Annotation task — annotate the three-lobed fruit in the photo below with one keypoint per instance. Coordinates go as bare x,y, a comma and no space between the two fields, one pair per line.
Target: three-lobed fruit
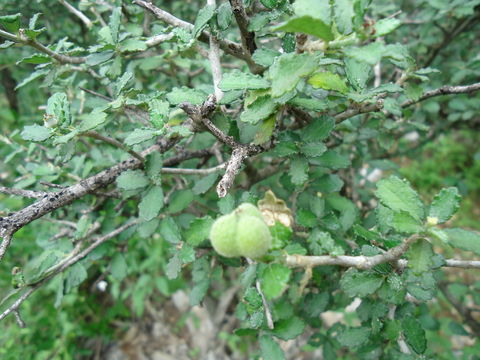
241,233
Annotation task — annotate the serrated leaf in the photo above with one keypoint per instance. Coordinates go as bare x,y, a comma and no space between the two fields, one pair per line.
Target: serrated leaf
343,14
288,69
58,110
464,239
260,109
201,186
314,8
122,82
353,337
328,81
405,223
35,133
357,72
174,266
114,23
313,149
203,17
140,135
184,94
319,129
288,329
11,22
397,195
386,26
131,45
414,335
420,256
151,204
75,276
169,230
333,160
198,231
118,267
92,120
239,80
265,57
274,280
370,54
180,200
307,25
99,58
298,170
445,204
132,179
270,349
224,15
361,284
265,130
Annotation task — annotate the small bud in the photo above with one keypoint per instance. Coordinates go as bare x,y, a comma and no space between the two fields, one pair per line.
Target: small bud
432,220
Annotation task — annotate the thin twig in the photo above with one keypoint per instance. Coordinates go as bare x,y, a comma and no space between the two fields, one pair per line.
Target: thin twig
25,193
444,90
214,57
113,142
77,13
64,59
182,171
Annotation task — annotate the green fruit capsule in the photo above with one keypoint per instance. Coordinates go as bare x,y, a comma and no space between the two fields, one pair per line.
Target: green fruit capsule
253,237
223,235
249,209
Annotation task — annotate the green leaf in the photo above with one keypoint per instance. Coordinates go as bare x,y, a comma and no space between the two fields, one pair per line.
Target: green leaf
386,26
33,76
260,109
169,230
274,280
288,329
199,291
180,200
11,22
353,337
35,133
158,111
131,45
132,179
314,8
151,204
332,160
35,59
307,25
203,17
405,223
76,274
201,186
445,204
399,196
319,129
99,58
357,72
270,349
288,69
271,4
343,14
199,230
420,256
122,82
140,135
58,110
114,23
92,120
298,170
265,57
370,54
118,267
239,80
184,94
328,81
224,15
414,335
174,267
313,149
265,130
464,239
360,284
